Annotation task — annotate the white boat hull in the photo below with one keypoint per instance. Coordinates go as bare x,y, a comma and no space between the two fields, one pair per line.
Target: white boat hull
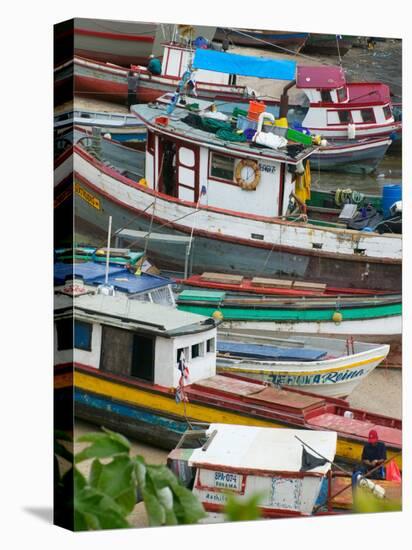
336,377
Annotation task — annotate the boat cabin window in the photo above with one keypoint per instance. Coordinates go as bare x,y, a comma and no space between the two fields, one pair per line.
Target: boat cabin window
179,352
326,96
81,331
151,142
387,111
367,115
222,167
210,345
127,353
342,94
198,350
344,117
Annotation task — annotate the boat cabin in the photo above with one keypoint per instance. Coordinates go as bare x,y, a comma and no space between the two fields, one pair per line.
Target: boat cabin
186,161
335,103
245,460
132,339
178,58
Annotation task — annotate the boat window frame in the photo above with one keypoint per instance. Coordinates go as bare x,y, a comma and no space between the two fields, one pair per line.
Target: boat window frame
369,110
387,109
211,343
338,92
340,123
216,178
68,342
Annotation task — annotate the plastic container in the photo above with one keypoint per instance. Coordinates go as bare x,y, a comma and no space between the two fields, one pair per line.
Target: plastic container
299,137
243,123
162,120
390,195
255,109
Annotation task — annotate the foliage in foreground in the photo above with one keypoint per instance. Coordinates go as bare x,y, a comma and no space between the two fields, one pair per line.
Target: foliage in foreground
105,498
365,502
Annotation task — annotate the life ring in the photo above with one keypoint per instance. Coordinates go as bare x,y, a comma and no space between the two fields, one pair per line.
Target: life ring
251,185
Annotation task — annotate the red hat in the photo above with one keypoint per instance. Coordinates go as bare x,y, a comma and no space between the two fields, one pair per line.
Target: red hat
373,436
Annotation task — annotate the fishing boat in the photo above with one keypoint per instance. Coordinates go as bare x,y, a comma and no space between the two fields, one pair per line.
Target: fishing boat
328,44
340,110
265,286
325,366
121,127
377,319
281,40
149,371
243,460
208,194
360,156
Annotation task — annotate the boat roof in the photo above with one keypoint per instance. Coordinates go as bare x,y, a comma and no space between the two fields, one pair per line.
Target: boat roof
364,92
120,277
325,77
269,449
177,128
158,319
244,65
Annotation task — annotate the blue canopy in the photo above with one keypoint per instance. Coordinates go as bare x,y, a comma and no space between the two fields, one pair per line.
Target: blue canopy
94,273
244,65
259,351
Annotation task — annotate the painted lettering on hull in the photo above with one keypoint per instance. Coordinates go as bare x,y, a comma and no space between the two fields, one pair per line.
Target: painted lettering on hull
88,197
314,379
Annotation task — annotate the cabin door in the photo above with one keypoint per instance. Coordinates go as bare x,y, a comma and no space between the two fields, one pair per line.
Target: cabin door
143,357
179,170
187,166
116,350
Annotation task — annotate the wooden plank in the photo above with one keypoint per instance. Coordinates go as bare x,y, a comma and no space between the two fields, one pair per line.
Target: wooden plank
303,285
222,278
393,491
265,281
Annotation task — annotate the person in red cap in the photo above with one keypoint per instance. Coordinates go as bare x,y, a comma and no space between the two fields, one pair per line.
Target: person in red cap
373,455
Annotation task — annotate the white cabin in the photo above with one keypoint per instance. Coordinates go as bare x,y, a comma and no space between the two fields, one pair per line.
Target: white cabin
133,339
244,460
178,58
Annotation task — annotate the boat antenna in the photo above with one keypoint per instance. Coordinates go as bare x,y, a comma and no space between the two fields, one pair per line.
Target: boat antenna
106,275
337,47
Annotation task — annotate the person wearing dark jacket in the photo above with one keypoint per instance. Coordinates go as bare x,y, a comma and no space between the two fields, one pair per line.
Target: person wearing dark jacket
132,82
373,455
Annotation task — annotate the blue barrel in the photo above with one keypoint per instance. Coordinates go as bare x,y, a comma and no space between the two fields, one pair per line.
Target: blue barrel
390,194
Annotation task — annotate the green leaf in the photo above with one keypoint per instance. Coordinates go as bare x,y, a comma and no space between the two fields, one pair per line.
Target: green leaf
116,479
243,510
140,470
103,445
97,511
79,481
95,472
188,508
154,509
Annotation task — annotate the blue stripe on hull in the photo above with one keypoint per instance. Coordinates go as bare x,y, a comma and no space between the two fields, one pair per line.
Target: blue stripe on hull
128,413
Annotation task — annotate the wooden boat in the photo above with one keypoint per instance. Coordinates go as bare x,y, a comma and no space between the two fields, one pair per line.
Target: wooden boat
235,230
352,156
340,110
325,366
340,486
292,41
345,316
328,44
120,126
126,361
265,286
243,460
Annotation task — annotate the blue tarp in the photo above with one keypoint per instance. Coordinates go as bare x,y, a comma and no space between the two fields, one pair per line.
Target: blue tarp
244,65
121,278
259,351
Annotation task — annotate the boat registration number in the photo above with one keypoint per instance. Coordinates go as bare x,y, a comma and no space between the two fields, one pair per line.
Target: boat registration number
267,168
86,196
228,481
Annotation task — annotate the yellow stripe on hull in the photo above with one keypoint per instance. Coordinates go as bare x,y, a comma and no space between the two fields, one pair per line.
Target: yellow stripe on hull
346,449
